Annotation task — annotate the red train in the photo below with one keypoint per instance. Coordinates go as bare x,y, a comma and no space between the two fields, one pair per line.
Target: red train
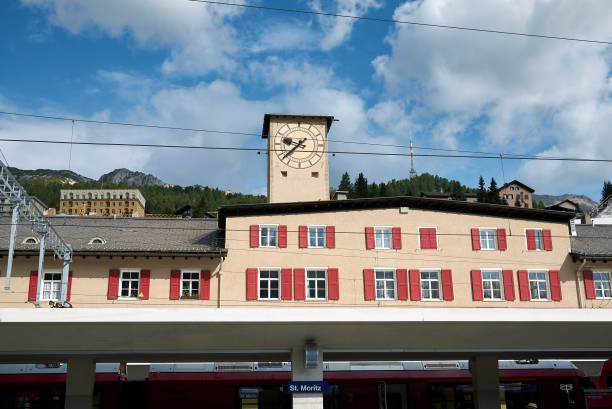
261,385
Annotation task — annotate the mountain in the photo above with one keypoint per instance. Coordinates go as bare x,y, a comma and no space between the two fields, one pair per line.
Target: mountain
131,178
48,175
586,203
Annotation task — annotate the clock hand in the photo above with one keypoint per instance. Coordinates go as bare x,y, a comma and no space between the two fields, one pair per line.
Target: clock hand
289,141
300,143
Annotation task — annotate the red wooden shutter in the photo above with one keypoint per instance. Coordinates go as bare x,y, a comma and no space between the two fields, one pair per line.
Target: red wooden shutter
415,285
589,285
330,237
477,285
282,236
113,285
547,239
523,278
502,244
369,292
396,233
69,289
299,277
555,285
251,286
254,235
33,286
333,292
369,236
175,284
475,238
286,284
205,285
303,236
508,285
402,284
447,285
145,280
428,238
531,243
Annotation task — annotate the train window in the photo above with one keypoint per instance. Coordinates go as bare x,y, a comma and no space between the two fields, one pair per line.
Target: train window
263,397
609,380
511,394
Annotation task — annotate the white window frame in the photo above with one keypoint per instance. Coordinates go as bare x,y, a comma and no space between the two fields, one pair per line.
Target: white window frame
437,239
488,229
190,296
547,285
385,269
280,288
261,237
502,295
539,243
600,271
383,229
431,270
325,280
318,226
42,286
128,270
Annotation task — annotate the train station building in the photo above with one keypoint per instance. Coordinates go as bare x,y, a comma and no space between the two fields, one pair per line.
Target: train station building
332,301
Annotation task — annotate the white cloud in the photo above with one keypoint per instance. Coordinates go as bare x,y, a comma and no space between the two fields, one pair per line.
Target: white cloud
337,30
197,35
520,92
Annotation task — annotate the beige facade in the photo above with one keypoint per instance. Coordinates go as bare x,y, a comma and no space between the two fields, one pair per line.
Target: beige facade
102,202
516,194
228,276
298,168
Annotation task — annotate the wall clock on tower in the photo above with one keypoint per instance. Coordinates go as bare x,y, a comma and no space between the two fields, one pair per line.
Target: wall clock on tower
300,146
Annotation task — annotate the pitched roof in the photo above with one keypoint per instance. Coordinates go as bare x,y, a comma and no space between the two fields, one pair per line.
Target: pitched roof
516,182
452,206
592,241
125,235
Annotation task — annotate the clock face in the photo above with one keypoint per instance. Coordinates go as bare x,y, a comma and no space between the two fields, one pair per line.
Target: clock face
299,146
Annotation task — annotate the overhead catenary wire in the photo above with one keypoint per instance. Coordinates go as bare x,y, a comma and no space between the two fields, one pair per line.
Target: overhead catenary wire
238,133
408,22
333,152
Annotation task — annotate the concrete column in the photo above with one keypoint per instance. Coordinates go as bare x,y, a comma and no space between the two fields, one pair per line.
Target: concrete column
80,383
300,373
485,381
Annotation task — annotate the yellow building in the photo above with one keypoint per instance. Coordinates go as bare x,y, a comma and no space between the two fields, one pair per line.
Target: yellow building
102,202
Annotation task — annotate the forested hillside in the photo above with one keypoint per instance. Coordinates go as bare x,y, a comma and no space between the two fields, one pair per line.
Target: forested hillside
159,199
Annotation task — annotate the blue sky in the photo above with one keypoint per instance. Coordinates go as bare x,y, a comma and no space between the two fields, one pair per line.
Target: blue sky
180,63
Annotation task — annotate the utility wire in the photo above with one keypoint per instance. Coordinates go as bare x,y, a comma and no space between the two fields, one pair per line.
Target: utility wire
259,150
174,128
394,21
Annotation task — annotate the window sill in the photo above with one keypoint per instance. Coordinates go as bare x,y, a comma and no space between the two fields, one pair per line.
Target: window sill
488,249
128,298
603,298
548,300
269,247
431,299
270,299
492,300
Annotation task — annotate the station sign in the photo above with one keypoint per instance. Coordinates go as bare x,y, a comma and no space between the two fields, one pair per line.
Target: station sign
308,387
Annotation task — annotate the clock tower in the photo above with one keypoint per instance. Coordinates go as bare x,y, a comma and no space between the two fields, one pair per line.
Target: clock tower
298,167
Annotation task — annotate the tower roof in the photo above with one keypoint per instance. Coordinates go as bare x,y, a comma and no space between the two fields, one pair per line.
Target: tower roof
266,124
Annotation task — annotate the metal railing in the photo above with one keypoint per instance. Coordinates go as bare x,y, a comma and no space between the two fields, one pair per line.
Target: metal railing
30,210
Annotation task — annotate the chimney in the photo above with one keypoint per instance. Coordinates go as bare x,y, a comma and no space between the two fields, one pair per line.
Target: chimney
341,195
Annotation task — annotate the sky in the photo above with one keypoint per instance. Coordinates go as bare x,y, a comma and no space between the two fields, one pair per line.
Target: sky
186,64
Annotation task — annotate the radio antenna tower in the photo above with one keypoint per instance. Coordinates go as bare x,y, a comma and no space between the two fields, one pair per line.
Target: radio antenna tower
413,173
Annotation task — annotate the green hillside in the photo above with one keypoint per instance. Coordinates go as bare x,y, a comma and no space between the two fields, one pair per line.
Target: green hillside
159,199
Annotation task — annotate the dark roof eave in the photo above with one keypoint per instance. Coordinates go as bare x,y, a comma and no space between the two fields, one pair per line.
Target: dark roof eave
582,255
397,201
163,253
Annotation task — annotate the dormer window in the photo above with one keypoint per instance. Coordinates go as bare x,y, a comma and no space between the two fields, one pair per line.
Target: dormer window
31,240
97,240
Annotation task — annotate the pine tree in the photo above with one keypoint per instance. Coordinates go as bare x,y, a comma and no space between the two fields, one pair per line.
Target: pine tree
606,191
382,189
481,194
345,183
493,193
361,186
200,208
